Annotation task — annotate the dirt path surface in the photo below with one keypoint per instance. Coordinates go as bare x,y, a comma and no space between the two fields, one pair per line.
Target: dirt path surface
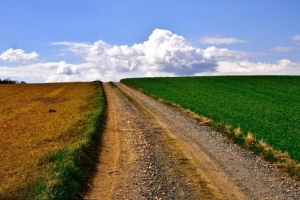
151,151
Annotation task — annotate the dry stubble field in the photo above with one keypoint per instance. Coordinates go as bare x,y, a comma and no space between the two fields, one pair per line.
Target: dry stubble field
29,134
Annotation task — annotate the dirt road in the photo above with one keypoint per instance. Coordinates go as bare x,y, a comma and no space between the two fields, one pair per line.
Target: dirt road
151,151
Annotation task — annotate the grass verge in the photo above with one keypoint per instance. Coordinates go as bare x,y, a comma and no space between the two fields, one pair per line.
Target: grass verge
247,141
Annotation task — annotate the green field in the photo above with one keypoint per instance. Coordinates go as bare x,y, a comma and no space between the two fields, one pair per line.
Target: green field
267,106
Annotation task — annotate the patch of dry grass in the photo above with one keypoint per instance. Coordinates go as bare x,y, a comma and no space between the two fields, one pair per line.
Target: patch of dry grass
238,133
29,134
250,140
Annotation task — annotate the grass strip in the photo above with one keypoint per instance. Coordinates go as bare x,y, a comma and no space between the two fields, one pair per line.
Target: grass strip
260,113
69,168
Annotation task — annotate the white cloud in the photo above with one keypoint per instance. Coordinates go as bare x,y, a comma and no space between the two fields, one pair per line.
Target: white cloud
216,40
163,54
225,54
18,55
296,38
36,72
67,69
281,67
74,47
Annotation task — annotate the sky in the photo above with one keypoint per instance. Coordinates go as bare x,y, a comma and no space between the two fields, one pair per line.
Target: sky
87,40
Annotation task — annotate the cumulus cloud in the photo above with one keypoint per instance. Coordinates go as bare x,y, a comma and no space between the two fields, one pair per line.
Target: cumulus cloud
18,55
217,40
163,54
67,69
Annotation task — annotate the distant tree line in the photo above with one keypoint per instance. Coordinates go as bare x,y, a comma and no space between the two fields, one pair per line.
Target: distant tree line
9,81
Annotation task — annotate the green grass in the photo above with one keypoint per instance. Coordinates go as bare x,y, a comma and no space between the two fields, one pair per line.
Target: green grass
267,106
66,176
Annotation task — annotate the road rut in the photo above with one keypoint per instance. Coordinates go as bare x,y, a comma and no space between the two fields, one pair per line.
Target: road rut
152,151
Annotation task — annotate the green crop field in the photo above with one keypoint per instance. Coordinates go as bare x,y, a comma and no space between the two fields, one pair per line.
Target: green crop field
267,106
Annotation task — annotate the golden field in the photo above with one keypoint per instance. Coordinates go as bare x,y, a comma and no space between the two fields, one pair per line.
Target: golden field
29,133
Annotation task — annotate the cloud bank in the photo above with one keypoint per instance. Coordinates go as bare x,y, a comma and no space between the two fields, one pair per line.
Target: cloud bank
18,55
163,54
281,67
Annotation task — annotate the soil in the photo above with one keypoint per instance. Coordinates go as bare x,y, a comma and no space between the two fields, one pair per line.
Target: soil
153,151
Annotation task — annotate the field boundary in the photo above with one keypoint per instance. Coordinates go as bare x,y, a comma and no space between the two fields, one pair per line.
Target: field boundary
279,159
71,167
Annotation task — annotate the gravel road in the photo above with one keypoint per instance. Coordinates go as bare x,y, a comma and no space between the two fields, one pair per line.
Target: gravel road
152,151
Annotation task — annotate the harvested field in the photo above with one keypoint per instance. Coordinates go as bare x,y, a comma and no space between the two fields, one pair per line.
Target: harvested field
30,134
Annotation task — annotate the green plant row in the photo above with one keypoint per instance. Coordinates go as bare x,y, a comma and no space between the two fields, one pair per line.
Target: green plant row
267,106
69,169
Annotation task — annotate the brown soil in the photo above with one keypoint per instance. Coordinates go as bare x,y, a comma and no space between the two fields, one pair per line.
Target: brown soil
151,151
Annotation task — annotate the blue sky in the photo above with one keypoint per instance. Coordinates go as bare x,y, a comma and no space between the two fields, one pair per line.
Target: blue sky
76,40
